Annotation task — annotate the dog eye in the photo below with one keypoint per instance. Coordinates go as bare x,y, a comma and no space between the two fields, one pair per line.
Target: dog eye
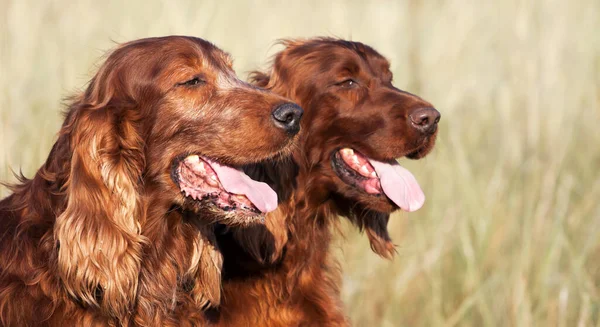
347,84
193,82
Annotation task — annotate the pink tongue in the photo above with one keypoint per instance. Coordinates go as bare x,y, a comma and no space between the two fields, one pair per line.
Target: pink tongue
235,181
399,185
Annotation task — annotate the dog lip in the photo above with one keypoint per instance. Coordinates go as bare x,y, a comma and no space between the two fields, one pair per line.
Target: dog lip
413,153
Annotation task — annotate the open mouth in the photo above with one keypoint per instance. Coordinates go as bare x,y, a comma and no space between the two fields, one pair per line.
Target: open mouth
227,188
378,178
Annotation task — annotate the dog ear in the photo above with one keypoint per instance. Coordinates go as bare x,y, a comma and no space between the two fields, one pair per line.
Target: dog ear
259,78
98,232
375,225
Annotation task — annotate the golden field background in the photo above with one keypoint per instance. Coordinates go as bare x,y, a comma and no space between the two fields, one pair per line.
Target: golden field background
510,232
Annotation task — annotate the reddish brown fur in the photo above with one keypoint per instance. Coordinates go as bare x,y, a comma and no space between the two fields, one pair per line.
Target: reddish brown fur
283,275
101,235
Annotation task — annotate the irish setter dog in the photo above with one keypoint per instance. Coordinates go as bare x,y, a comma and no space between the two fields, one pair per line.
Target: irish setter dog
355,124
115,227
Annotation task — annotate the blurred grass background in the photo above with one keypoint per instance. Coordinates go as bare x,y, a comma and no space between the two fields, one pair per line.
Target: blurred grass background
510,233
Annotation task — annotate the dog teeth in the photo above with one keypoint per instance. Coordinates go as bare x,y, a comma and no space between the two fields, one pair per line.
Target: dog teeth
347,152
212,180
193,159
201,167
365,170
373,174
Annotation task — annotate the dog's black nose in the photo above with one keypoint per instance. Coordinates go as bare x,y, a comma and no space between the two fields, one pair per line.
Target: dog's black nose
425,119
287,117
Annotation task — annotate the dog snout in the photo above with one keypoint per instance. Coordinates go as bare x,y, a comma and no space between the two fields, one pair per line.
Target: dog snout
287,117
425,119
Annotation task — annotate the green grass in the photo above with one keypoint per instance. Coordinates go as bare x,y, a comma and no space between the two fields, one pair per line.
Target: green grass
510,232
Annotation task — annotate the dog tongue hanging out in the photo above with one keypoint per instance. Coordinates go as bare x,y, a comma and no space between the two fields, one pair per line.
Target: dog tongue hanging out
227,187
376,177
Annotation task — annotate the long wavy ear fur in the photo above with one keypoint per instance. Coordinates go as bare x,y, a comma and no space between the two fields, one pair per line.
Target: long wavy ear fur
98,233
258,78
